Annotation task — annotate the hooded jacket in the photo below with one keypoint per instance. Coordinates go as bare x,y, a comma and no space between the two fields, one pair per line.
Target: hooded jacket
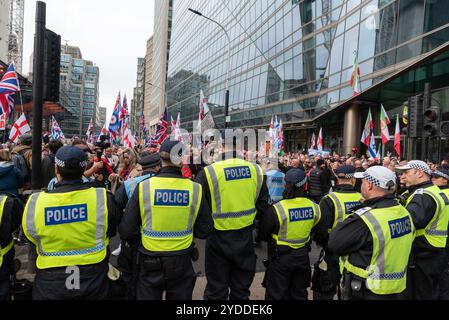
11,179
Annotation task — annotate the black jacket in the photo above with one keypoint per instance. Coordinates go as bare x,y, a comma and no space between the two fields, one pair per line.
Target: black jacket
130,226
12,217
352,237
319,182
327,209
422,209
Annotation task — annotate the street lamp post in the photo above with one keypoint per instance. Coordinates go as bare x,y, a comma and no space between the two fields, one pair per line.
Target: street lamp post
228,68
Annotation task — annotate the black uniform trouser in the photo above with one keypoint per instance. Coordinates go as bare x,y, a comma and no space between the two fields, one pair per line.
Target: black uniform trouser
444,285
60,283
326,283
174,275
230,265
127,264
6,270
288,277
423,279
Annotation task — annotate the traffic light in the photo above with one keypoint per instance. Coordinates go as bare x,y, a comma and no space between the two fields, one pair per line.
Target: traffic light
52,66
415,116
431,123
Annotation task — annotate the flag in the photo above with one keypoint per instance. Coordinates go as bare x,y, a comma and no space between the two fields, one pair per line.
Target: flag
129,140
397,138
124,115
280,135
90,131
114,125
355,76
384,122
7,105
372,148
161,130
320,140
206,118
2,122
9,82
20,127
56,131
313,142
178,128
368,130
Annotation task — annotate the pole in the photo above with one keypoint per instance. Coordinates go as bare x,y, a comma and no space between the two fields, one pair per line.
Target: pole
38,90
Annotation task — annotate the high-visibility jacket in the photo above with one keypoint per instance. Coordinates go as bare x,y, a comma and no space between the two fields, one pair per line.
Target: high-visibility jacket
168,208
235,186
436,230
68,228
343,203
296,219
393,233
4,251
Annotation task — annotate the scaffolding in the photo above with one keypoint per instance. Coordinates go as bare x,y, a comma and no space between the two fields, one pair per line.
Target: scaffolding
15,43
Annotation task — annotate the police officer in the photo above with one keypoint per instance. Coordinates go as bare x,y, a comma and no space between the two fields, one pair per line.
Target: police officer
164,215
10,216
151,165
375,241
287,226
71,226
427,205
440,178
237,193
335,208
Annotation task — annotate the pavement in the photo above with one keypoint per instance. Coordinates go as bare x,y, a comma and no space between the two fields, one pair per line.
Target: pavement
257,291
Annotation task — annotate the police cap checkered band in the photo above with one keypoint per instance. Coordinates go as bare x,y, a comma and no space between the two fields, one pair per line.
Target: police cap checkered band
416,164
62,164
379,176
345,176
301,183
441,173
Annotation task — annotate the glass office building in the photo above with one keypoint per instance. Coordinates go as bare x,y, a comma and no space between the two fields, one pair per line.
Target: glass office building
295,58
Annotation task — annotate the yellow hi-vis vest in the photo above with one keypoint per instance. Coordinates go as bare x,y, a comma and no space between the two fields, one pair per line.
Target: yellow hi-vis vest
235,186
296,218
168,208
436,230
4,251
67,228
393,233
343,203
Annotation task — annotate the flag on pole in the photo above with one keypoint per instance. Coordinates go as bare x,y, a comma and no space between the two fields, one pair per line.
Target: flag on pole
129,140
384,122
124,115
320,140
178,128
162,129
313,142
2,122
206,118
397,138
114,125
368,130
90,131
7,105
9,82
280,135
372,148
20,127
56,131
355,76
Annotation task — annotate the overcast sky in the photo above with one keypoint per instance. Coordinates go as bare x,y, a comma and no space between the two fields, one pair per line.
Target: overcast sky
111,33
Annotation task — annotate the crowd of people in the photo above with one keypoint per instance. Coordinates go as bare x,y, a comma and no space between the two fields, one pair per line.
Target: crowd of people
381,224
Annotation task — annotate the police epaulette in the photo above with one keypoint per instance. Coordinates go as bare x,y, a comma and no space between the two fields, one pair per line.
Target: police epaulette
362,211
419,191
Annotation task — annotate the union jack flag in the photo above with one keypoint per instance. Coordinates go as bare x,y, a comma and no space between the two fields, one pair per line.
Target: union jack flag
162,129
6,105
9,83
56,131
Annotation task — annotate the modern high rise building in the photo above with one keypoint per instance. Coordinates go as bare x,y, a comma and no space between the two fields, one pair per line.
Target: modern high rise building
161,49
79,92
137,103
295,59
149,110
101,118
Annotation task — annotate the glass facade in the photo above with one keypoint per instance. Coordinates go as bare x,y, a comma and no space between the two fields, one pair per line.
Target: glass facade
292,58
79,92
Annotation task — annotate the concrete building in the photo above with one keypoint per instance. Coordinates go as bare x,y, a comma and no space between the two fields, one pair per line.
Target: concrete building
137,103
4,29
15,32
100,118
295,59
161,49
148,108
79,92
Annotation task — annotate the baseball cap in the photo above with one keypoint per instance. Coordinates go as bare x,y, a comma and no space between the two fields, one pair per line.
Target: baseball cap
345,172
378,175
441,172
415,164
71,158
297,177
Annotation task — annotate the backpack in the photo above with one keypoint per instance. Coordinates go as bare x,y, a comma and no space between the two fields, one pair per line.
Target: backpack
21,165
